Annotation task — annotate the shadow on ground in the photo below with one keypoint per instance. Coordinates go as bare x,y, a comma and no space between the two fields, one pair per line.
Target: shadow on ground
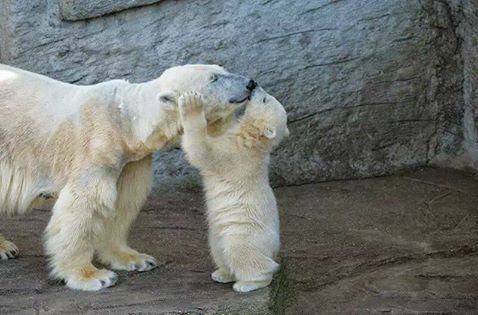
398,244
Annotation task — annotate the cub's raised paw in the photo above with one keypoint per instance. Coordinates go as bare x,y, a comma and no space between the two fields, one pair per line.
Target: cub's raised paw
90,278
222,276
247,286
8,250
129,260
190,103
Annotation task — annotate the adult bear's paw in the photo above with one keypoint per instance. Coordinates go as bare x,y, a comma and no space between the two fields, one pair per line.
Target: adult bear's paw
89,278
128,259
8,250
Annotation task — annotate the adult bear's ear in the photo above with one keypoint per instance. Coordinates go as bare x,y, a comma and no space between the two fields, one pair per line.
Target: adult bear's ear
168,99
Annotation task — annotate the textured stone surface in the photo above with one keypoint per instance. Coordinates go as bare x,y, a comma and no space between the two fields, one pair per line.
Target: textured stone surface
400,245
396,245
371,86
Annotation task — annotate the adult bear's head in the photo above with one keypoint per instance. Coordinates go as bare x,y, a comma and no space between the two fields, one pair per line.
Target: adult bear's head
220,87
224,92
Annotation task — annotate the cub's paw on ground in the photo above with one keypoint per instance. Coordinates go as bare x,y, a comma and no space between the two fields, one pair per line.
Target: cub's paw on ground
222,276
247,286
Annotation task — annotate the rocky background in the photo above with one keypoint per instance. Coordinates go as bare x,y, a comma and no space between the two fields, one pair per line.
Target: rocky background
371,86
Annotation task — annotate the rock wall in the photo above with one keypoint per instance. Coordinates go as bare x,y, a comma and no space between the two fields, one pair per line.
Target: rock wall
371,86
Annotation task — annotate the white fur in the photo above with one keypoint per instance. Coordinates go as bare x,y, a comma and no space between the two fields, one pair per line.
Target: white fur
241,207
90,147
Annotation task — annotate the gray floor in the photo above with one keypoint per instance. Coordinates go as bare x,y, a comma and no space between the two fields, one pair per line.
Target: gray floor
399,244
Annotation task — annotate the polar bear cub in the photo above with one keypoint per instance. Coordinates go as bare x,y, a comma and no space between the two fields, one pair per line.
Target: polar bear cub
241,207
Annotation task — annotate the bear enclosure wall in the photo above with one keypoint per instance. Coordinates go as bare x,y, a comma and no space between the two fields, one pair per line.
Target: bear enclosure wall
371,86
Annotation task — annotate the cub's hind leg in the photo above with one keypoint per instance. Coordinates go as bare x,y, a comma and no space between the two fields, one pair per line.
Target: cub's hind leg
250,262
8,250
222,274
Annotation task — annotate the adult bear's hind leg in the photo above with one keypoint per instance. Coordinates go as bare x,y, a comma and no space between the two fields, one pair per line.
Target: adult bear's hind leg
8,250
134,185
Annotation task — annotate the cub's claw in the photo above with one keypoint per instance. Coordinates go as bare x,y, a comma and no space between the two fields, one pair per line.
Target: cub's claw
190,103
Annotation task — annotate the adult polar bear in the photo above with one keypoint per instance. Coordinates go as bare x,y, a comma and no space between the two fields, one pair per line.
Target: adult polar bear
91,146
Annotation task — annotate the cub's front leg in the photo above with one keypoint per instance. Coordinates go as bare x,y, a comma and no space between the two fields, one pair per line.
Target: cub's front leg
195,140
191,110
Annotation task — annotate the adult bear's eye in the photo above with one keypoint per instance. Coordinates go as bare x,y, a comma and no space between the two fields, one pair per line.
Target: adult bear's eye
213,78
264,100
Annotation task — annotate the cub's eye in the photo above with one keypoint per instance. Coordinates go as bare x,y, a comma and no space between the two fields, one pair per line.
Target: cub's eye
264,100
213,78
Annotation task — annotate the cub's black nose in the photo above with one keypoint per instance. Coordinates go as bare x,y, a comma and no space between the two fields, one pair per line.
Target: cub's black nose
251,85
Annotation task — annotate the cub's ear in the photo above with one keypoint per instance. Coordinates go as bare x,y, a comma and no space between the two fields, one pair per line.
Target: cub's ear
270,133
168,99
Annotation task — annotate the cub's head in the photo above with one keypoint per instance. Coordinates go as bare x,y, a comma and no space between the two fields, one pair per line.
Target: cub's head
264,121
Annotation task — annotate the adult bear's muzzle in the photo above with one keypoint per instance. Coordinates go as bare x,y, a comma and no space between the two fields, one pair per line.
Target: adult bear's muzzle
251,85
246,94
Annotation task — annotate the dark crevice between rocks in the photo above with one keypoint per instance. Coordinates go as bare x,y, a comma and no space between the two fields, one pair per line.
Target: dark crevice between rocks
282,293
80,10
400,172
295,120
320,7
295,33
446,79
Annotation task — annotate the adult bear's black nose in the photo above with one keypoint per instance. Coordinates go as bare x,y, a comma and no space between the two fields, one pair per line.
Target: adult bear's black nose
251,85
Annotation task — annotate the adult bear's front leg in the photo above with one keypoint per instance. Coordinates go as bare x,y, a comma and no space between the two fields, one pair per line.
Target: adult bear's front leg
77,223
134,186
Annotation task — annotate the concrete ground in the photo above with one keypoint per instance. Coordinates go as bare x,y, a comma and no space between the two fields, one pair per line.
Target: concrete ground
400,244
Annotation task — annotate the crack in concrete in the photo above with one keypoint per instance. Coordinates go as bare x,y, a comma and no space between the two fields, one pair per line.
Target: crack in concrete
439,185
371,266
436,198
